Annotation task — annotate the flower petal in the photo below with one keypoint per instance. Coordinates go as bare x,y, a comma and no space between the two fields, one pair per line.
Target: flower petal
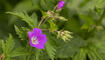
30,34
60,4
41,38
40,46
37,31
44,38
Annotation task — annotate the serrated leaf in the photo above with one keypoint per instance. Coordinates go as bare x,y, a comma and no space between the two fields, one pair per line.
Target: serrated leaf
9,44
81,55
19,52
97,54
24,16
8,47
3,46
21,32
69,49
9,50
50,50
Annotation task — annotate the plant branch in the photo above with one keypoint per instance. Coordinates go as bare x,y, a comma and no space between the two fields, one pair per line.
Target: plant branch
40,22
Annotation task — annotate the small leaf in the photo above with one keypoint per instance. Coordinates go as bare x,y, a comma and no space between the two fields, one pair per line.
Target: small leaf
9,44
3,46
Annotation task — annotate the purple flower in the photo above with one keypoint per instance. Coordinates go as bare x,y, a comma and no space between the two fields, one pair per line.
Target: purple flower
60,4
37,39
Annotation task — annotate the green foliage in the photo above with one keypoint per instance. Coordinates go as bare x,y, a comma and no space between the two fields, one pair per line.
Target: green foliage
9,49
24,16
89,22
50,50
53,26
21,32
86,19
86,5
48,4
81,55
68,49
26,5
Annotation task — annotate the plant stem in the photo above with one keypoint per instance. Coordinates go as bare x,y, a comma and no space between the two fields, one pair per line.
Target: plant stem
37,54
37,57
46,19
43,20
40,22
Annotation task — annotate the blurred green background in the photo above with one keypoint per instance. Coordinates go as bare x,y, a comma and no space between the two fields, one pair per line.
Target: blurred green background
86,19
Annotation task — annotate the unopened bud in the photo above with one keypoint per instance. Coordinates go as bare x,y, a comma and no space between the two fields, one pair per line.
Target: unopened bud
65,35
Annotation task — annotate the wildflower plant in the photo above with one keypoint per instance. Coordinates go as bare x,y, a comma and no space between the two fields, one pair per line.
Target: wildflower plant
36,35
52,30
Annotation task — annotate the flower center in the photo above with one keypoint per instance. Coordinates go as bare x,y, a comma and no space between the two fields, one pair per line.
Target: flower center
34,40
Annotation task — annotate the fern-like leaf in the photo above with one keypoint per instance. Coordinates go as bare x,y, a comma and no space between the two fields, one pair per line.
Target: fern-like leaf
24,16
10,44
9,50
81,55
21,32
50,50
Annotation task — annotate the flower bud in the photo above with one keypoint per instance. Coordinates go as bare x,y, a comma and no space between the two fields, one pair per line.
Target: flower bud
60,5
55,16
65,35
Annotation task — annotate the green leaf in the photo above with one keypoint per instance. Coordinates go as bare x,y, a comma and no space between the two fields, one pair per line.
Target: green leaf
22,33
10,44
19,52
53,26
26,5
87,19
43,4
94,54
24,16
81,55
3,47
9,49
73,25
50,50
70,48
34,17
48,4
